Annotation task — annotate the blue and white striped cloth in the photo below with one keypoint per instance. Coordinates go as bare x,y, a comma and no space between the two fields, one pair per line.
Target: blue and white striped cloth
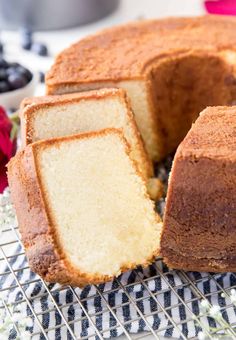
148,299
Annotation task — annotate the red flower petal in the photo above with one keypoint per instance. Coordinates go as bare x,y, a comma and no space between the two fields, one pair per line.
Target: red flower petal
6,144
3,175
5,122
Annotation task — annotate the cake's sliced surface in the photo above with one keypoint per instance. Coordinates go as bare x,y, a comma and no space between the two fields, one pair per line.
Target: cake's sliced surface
199,230
57,116
83,210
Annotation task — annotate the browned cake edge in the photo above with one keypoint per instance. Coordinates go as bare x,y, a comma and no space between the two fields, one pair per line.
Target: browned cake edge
70,97
38,232
30,105
176,261
184,254
122,67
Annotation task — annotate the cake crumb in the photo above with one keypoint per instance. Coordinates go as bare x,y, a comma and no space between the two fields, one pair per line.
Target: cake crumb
155,188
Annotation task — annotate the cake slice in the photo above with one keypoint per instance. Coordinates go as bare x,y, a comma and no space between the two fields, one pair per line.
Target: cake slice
200,218
83,210
57,116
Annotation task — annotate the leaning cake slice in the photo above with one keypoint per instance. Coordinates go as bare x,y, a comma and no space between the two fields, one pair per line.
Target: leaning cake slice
200,218
58,116
83,210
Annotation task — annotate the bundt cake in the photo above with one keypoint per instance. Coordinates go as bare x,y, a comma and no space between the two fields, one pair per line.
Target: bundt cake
58,116
81,201
83,211
171,69
200,215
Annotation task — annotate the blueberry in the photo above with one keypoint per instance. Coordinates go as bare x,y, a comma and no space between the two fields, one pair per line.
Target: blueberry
3,63
1,48
25,31
3,74
4,86
11,110
39,49
14,65
11,70
16,80
26,38
25,72
26,45
41,77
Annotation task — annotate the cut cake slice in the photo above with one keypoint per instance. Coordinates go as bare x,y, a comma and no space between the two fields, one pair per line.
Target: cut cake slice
200,215
83,210
56,116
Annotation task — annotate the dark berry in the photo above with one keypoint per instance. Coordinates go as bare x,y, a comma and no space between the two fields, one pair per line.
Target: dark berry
14,65
16,80
39,49
1,48
26,43
3,63
3,74
24,71
26,38
41,77
13,76
27,32
4,86
11,110
10,70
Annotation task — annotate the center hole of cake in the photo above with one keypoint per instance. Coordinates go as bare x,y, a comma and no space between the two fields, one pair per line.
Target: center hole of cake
183,87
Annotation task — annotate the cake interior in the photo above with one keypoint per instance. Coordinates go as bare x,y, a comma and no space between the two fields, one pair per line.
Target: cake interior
183,87
87,115
175,91
103,219
72,118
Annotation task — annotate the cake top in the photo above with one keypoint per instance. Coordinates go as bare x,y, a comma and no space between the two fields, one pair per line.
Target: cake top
128,51
212,135
44,101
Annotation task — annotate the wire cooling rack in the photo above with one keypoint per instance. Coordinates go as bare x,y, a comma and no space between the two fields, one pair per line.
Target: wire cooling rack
155,301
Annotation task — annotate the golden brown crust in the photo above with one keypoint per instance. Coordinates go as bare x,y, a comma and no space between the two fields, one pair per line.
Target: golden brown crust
31,105
177,261
200,217
139,55
128,52
213,135
70,98
44,252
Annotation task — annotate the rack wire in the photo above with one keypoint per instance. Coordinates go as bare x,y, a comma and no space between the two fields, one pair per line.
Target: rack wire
154,302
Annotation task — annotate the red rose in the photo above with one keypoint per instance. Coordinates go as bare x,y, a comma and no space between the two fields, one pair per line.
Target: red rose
7,146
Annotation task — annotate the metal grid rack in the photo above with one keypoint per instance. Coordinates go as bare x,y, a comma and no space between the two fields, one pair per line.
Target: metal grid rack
173,296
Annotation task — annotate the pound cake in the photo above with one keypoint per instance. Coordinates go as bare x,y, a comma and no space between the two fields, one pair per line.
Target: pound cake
200,215
83,210
171,70
58,116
